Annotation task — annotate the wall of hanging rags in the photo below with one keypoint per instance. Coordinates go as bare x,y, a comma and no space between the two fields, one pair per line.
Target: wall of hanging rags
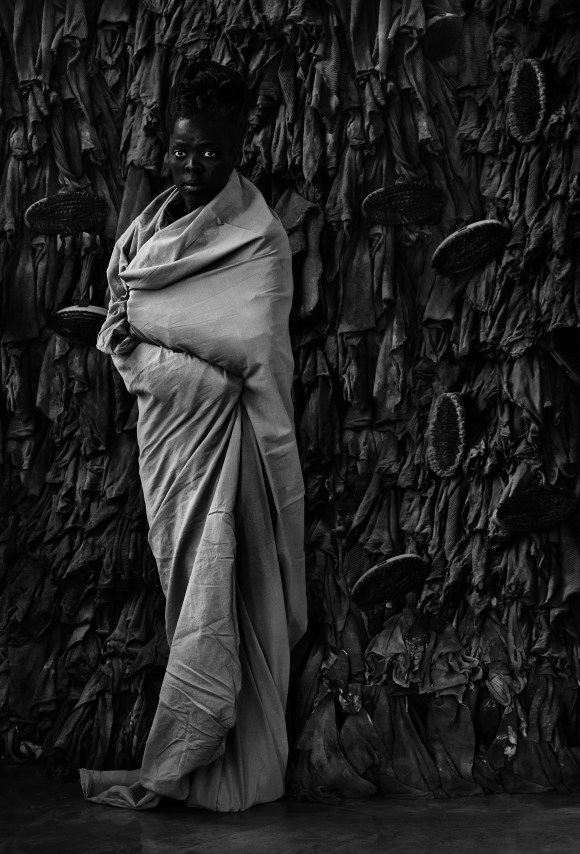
424,159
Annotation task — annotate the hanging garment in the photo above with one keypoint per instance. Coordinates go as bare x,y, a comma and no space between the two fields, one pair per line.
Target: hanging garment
209,297
303,222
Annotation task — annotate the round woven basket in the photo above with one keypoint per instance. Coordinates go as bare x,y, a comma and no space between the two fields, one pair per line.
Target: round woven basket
67,213
446,435
526,102
535,508
389,581
442,35
401,204
565,350
78,324
472,245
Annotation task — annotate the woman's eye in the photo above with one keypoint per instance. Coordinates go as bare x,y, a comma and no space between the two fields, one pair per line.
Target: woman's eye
178,152
210,153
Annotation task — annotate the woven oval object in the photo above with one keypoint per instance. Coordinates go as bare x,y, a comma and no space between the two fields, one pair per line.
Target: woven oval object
526,100
446,435
472,245
442,35
535,508
565,351
400,204
67,213
78,324
389,581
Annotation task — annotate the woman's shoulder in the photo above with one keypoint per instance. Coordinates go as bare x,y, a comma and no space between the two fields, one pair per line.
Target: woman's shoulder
146,220
242,205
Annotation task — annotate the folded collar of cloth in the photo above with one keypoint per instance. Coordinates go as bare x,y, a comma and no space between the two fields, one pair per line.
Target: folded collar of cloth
148,262
155,252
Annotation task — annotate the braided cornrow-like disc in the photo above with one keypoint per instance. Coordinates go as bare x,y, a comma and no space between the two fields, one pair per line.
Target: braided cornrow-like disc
404,203
78,324
446,435
67,213
472,245
527,100
389,581
535,508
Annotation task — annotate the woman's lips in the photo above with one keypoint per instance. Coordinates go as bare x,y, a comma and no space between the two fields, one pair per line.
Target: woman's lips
189,185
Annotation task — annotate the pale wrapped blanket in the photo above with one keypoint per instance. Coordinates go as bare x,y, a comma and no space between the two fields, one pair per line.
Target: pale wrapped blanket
209,297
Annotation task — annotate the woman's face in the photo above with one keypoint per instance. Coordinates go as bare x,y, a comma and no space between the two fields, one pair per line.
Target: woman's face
202,154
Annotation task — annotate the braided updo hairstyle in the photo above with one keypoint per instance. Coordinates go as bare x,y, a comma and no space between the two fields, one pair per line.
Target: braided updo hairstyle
206,88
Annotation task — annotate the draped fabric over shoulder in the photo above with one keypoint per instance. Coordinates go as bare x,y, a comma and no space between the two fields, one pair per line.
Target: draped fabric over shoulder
198,328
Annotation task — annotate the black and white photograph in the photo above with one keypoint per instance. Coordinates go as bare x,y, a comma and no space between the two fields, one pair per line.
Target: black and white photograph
289,426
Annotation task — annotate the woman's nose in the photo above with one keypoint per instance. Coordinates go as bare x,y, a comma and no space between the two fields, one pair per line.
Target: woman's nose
192,165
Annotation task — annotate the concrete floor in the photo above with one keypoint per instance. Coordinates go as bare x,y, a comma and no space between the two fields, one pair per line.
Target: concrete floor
41,816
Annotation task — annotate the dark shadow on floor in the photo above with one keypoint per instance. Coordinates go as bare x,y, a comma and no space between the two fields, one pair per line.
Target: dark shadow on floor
41,816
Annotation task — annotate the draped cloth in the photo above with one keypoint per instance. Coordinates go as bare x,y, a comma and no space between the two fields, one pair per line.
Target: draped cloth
198,328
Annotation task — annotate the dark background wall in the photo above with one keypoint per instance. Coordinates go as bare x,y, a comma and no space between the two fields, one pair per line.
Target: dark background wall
473,685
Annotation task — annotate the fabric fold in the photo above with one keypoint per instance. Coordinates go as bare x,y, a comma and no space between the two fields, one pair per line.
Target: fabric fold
198,329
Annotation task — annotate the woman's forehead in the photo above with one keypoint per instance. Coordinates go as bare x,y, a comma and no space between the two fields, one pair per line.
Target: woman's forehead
198,127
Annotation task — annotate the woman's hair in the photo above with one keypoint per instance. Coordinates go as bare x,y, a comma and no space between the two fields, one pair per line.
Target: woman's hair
208,89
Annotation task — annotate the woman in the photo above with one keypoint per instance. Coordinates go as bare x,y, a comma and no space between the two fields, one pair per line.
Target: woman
198,328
